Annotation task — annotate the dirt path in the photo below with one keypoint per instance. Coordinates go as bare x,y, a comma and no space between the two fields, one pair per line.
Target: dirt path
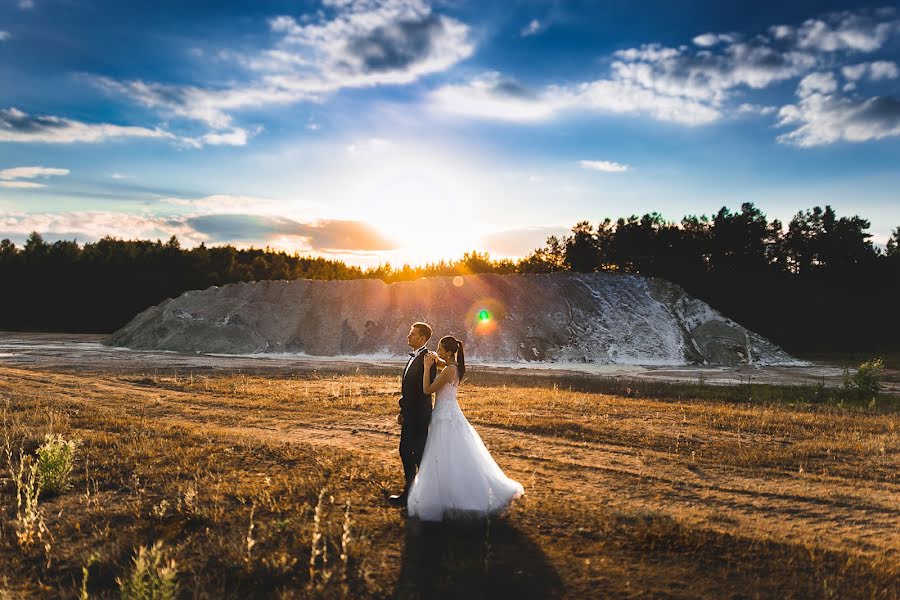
79,351
821,512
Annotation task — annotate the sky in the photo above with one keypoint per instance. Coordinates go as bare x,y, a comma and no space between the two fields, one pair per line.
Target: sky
408,131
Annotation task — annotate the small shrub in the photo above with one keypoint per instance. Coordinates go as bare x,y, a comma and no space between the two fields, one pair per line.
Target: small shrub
866,382
30,527
54,463
152,578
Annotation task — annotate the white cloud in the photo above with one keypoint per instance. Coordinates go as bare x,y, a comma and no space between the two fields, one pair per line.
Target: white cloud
709,76
4,35
689,85
862,31
874,71
120,176
226,204
532,28
93,225
607,166
234,137
625,96
206,106
822,116
17,126
883,69
399,37
855,72
21,184
756,109
817,83
26,4
31,172
12,178
711,39
490,96
355,44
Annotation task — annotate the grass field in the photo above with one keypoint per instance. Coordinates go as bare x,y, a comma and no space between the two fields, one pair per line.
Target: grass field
272,486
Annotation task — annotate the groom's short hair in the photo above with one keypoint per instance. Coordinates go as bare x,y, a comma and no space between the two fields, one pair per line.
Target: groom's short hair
424,329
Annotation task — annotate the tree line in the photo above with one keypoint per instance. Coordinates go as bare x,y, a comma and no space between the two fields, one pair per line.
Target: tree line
817,285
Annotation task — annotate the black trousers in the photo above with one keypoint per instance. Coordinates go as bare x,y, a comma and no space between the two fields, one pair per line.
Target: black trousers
412,445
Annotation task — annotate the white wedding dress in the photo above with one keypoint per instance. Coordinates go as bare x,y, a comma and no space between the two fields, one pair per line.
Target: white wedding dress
457,476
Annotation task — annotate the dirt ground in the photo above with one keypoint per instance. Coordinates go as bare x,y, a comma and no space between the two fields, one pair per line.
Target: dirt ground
625,497
76,351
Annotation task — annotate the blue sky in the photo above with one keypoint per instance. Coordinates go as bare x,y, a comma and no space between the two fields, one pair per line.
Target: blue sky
408,131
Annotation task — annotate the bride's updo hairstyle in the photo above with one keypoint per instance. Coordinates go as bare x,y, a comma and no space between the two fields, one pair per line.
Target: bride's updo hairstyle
451,344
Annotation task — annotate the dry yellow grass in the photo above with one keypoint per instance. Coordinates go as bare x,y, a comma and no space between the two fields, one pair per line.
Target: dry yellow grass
625,497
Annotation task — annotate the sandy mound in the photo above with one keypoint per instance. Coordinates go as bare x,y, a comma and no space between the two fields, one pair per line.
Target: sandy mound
562,317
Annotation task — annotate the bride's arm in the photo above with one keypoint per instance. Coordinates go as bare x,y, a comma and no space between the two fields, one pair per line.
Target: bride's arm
440,362
428,386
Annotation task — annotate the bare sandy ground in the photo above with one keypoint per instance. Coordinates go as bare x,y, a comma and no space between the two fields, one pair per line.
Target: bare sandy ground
818,482
830,507
86,351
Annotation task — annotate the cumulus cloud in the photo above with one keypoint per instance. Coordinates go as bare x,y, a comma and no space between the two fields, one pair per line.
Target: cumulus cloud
12,178
4,35
710,76
606,166
17,126
874,71
532,28
678,85
823,116
861,31
817,83
354,44
368,42
700,84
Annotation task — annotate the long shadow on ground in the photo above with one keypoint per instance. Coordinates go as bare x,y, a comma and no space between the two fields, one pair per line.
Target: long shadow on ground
471,560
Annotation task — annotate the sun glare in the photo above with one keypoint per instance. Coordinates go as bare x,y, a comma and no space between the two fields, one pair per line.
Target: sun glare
426,205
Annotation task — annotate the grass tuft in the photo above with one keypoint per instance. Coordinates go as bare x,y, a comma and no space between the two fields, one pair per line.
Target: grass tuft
152,577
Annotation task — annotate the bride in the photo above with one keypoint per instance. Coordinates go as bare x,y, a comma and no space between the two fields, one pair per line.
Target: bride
457,475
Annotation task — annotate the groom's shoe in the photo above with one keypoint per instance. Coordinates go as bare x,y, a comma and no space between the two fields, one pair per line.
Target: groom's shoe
398,500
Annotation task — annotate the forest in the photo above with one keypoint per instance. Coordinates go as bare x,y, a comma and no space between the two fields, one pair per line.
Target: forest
817,285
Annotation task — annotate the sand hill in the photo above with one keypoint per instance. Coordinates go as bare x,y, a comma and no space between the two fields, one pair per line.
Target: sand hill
561,317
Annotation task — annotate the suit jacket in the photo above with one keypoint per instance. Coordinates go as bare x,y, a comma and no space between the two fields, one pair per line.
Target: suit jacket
415,404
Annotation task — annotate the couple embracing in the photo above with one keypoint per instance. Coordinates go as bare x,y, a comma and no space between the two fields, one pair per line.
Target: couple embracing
449,472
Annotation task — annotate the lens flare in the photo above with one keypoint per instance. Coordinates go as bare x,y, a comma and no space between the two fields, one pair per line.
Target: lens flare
486,316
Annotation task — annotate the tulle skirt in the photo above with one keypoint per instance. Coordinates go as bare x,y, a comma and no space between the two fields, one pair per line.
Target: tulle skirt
457,477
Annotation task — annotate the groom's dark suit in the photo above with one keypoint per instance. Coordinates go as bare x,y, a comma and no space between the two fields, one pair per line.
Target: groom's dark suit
415,408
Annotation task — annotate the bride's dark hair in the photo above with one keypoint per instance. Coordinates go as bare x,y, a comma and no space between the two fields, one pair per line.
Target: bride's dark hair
451,344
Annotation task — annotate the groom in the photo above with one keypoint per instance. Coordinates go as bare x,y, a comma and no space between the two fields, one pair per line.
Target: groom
415,408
